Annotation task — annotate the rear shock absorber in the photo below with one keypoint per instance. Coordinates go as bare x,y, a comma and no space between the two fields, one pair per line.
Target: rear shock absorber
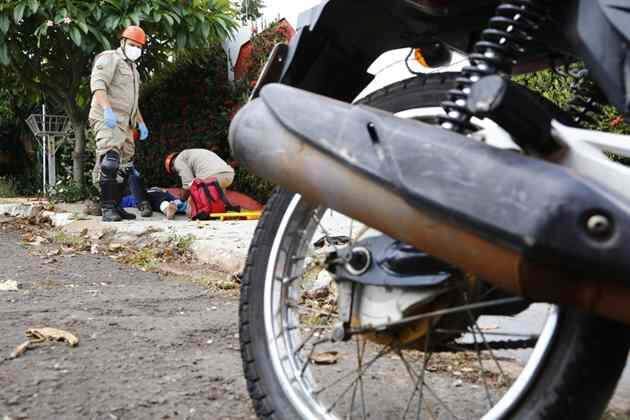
511,29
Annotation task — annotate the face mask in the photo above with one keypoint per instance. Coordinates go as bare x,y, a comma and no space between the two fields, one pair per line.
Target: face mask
132,53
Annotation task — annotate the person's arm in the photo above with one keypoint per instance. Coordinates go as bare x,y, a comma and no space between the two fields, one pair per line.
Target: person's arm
101,98
185,172
144,130
101,78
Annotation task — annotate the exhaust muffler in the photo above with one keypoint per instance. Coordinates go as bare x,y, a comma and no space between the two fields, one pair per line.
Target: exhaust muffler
527,226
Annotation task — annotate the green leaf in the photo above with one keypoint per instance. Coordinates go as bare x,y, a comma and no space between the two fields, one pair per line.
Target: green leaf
176,17
82,25
4,23
109,23
169,19
135,17
181,39
33,5
42,29
4,55
75,34
98,13
18,12
101,39
205,29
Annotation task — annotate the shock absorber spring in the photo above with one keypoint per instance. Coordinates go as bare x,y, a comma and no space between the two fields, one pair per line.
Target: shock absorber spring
509,32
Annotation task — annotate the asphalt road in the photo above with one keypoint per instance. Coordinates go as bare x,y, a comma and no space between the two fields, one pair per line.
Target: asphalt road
150,347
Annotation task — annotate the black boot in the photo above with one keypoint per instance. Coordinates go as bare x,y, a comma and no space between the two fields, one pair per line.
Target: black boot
123,213
145,209
109,198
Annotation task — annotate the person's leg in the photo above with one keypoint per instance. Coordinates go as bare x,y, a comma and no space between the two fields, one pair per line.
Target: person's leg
169,208
224,179
110,191
106,170
138,190
126,166
157,197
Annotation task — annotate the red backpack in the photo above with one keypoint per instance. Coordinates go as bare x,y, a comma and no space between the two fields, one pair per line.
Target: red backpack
207,197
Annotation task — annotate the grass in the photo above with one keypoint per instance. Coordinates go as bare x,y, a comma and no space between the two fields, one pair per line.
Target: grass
74,241
146,259
182,243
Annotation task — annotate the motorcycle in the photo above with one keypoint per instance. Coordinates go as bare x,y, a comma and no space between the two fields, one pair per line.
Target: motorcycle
453,245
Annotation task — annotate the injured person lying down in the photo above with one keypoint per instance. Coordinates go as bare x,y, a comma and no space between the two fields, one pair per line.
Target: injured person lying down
161,200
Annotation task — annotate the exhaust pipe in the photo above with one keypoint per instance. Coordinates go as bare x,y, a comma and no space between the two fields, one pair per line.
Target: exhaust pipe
526,226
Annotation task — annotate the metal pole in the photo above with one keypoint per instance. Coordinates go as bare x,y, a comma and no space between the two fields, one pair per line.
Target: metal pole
52,167
44,150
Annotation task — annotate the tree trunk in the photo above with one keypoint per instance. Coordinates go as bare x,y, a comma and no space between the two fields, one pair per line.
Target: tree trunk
78,154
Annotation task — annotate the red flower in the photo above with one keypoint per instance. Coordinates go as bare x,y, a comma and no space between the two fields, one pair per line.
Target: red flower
617,121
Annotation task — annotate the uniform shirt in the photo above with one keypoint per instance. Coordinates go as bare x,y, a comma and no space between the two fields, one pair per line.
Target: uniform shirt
120,79
199,163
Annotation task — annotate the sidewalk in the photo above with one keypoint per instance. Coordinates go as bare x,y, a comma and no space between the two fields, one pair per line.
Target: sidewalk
222,245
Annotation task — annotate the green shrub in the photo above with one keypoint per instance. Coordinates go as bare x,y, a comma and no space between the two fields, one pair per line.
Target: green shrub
557,89
252,185
8,187
185,106
67,191
190,103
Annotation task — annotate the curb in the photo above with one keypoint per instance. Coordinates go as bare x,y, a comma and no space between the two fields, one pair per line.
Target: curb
222,245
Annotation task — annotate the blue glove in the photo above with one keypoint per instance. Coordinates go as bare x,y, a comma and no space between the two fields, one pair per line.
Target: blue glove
110,118
144,131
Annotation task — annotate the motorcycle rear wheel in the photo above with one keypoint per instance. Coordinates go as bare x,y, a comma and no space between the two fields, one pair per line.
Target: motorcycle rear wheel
571,373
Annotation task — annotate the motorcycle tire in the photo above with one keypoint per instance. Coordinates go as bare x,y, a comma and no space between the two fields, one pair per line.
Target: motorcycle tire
574,380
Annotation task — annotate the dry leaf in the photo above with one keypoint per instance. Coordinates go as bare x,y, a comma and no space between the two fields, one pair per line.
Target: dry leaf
325,358
115,247
42,334
9,286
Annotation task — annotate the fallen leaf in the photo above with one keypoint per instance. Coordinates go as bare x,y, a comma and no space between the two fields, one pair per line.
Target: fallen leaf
115,247
53,334
325,358
9,286
38,241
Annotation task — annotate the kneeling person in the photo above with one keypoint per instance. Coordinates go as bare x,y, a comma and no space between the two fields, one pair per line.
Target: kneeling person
200,164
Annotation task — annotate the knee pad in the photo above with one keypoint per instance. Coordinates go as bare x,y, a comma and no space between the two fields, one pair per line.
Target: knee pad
109,165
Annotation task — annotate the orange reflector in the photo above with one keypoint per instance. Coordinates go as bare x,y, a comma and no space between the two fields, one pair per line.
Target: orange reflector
420,58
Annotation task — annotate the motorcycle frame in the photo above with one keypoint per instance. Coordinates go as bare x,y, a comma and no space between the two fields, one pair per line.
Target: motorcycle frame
313,57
